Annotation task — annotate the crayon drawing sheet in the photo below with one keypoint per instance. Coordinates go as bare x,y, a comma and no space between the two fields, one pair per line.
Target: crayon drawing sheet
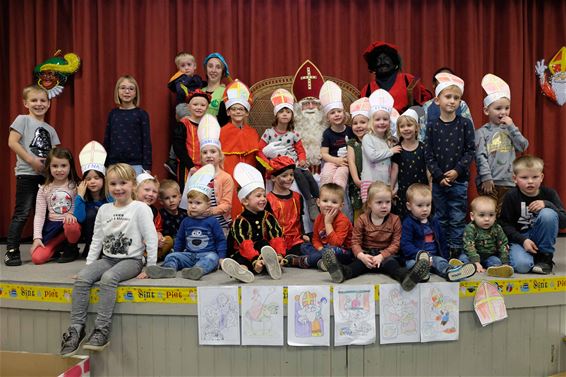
399,316
354,314
308,315
489,304
440,311
218,316
262,315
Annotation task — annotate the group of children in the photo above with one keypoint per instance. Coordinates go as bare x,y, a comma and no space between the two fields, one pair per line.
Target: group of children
395,187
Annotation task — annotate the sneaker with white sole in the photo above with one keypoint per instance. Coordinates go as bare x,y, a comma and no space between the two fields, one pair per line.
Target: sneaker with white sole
158,272
98,340
543,263
461,272
335,268
542,268
193,273
271,262
321,266
503,271
13,258
235,270
71,341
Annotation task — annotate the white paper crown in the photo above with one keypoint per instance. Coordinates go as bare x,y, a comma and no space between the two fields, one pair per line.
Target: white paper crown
282,99
92,157
495,88
445,80
249,179
411,114
380,100
143,177
360,107
331,97
208,131
200,180
237,92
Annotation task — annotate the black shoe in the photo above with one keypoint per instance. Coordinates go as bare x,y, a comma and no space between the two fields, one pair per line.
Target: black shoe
98,340
543,264
71,341
417,274
13,258
70,253
424,256
292,260
335,268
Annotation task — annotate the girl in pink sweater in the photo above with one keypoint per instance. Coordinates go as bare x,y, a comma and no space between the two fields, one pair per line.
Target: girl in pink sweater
56,198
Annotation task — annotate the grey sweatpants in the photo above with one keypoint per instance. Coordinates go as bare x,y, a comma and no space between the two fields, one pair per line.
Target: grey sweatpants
110,271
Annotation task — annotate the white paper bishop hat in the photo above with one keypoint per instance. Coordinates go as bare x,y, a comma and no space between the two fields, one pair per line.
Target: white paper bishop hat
445,80
92,157
281,99
331,97
200,180
495,88
209,131
249,179
360,107
380,100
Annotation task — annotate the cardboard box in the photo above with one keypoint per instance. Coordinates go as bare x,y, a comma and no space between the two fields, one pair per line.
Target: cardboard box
43,364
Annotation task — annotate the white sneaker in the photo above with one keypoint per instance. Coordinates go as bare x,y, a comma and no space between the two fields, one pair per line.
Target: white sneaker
461,272
271,262
235,270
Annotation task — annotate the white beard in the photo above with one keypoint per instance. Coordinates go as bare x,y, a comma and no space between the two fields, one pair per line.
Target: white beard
559,87
310,127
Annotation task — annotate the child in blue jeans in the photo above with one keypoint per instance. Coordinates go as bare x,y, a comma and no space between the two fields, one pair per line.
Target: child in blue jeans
531,216
422,238
200,241
449,151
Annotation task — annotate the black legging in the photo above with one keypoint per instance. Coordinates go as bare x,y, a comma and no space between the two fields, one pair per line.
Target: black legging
307,184
389,266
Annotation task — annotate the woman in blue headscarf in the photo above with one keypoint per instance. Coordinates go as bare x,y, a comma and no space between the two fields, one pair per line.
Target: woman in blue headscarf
216,69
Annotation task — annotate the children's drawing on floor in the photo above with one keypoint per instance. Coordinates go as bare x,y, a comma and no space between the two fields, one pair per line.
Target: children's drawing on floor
440,311
354,315
308,315
399,314
218,315
262,315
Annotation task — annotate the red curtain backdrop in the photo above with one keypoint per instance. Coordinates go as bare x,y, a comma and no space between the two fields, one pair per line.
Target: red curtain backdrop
261,39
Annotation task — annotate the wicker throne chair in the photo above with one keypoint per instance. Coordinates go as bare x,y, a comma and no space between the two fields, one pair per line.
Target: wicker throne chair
261,114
